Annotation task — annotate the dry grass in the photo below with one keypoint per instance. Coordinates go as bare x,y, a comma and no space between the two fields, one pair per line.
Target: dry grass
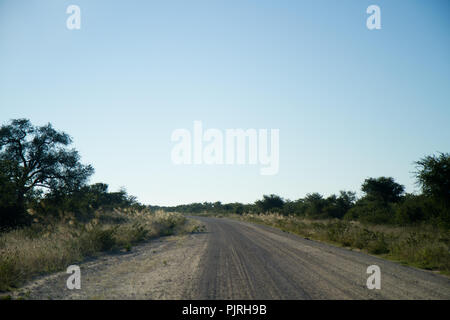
40,249
424,246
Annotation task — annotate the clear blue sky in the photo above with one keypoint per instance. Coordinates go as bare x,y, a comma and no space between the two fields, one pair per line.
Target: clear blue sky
350,103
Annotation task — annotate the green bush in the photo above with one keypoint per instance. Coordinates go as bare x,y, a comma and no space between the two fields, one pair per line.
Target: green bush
363,237
378,245
138,232
9,272
338,231
96,240
371,211
433,257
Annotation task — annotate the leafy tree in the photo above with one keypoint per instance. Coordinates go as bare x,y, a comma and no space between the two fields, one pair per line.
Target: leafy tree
299,207
270,203
337,207
372,211
433,176
415,208
315,204
8,199
217,205
38,158
377,204
289,208
237,208
345,202
383,189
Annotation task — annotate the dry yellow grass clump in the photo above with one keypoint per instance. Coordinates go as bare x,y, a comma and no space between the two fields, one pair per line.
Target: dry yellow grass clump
42,249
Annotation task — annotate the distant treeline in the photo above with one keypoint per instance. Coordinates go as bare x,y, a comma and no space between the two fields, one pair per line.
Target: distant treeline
383,202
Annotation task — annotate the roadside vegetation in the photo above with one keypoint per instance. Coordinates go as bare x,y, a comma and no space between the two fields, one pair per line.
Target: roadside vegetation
46,248
411,228
51,218
423,246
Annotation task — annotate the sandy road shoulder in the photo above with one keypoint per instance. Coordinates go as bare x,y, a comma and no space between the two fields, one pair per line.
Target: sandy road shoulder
166,268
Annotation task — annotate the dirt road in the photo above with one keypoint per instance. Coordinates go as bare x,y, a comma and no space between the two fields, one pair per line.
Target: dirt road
237,260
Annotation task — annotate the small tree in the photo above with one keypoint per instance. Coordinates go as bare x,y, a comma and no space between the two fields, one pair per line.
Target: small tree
383,188
433,175
270,203
315,204
337,207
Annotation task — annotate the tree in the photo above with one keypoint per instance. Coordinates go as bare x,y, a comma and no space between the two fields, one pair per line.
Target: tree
415,208
8,209
433,176
39,158
237,208
377,204
269,203
315,204
345,201
337,207
384,189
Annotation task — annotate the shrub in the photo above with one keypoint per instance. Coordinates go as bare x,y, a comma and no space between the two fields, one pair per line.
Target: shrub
378,245
371,211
